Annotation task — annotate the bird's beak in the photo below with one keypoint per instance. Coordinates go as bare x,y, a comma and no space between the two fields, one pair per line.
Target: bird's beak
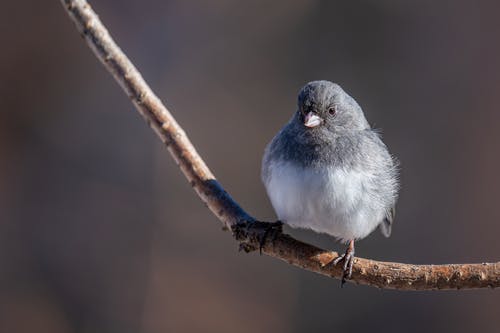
312,120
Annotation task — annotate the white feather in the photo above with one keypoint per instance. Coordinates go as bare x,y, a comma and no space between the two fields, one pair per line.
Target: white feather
332,200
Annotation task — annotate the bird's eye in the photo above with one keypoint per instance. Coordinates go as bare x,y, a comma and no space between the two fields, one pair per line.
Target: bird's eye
332,111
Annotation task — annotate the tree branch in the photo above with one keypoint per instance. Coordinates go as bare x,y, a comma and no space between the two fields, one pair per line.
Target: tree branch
368,272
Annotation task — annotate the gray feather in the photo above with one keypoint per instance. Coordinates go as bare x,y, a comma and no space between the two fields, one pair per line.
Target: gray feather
386,225
336,178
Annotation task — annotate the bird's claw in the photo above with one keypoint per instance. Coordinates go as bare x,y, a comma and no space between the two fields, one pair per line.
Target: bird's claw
348,259
257,231
271,230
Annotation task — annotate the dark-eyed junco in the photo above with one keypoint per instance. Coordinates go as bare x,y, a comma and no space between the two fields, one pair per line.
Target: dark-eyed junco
328,171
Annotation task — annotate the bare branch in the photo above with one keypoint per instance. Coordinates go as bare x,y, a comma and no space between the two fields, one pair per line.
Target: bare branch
368,272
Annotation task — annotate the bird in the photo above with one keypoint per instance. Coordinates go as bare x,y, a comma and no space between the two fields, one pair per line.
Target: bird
328,171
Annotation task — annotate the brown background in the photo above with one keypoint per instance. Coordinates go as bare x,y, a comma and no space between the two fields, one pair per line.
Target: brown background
99,232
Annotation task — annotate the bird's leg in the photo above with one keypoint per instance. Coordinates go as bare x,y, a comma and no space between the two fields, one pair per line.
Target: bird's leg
348,259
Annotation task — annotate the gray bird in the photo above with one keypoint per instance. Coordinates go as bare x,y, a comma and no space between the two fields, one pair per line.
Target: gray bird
327,170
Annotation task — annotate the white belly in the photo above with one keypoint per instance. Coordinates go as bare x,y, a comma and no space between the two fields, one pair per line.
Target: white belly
332,201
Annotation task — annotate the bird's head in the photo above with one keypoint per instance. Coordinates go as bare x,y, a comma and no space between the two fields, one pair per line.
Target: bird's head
325,105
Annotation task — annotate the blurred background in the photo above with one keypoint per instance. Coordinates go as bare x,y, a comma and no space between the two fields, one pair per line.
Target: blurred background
100,232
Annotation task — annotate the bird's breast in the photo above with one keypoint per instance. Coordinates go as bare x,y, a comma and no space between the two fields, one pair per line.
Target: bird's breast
330,200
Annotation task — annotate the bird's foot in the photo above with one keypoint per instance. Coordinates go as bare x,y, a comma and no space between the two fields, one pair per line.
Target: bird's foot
348,259
256,232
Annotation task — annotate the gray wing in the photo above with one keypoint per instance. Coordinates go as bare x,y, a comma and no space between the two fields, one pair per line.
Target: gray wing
386,225
388,182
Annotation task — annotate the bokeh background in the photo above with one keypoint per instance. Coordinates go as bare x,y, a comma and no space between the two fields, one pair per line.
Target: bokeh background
99,231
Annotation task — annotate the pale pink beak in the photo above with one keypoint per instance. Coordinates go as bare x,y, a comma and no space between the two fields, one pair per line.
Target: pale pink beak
312,120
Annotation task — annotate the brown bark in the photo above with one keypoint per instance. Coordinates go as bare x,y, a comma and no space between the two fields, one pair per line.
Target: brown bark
368,272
